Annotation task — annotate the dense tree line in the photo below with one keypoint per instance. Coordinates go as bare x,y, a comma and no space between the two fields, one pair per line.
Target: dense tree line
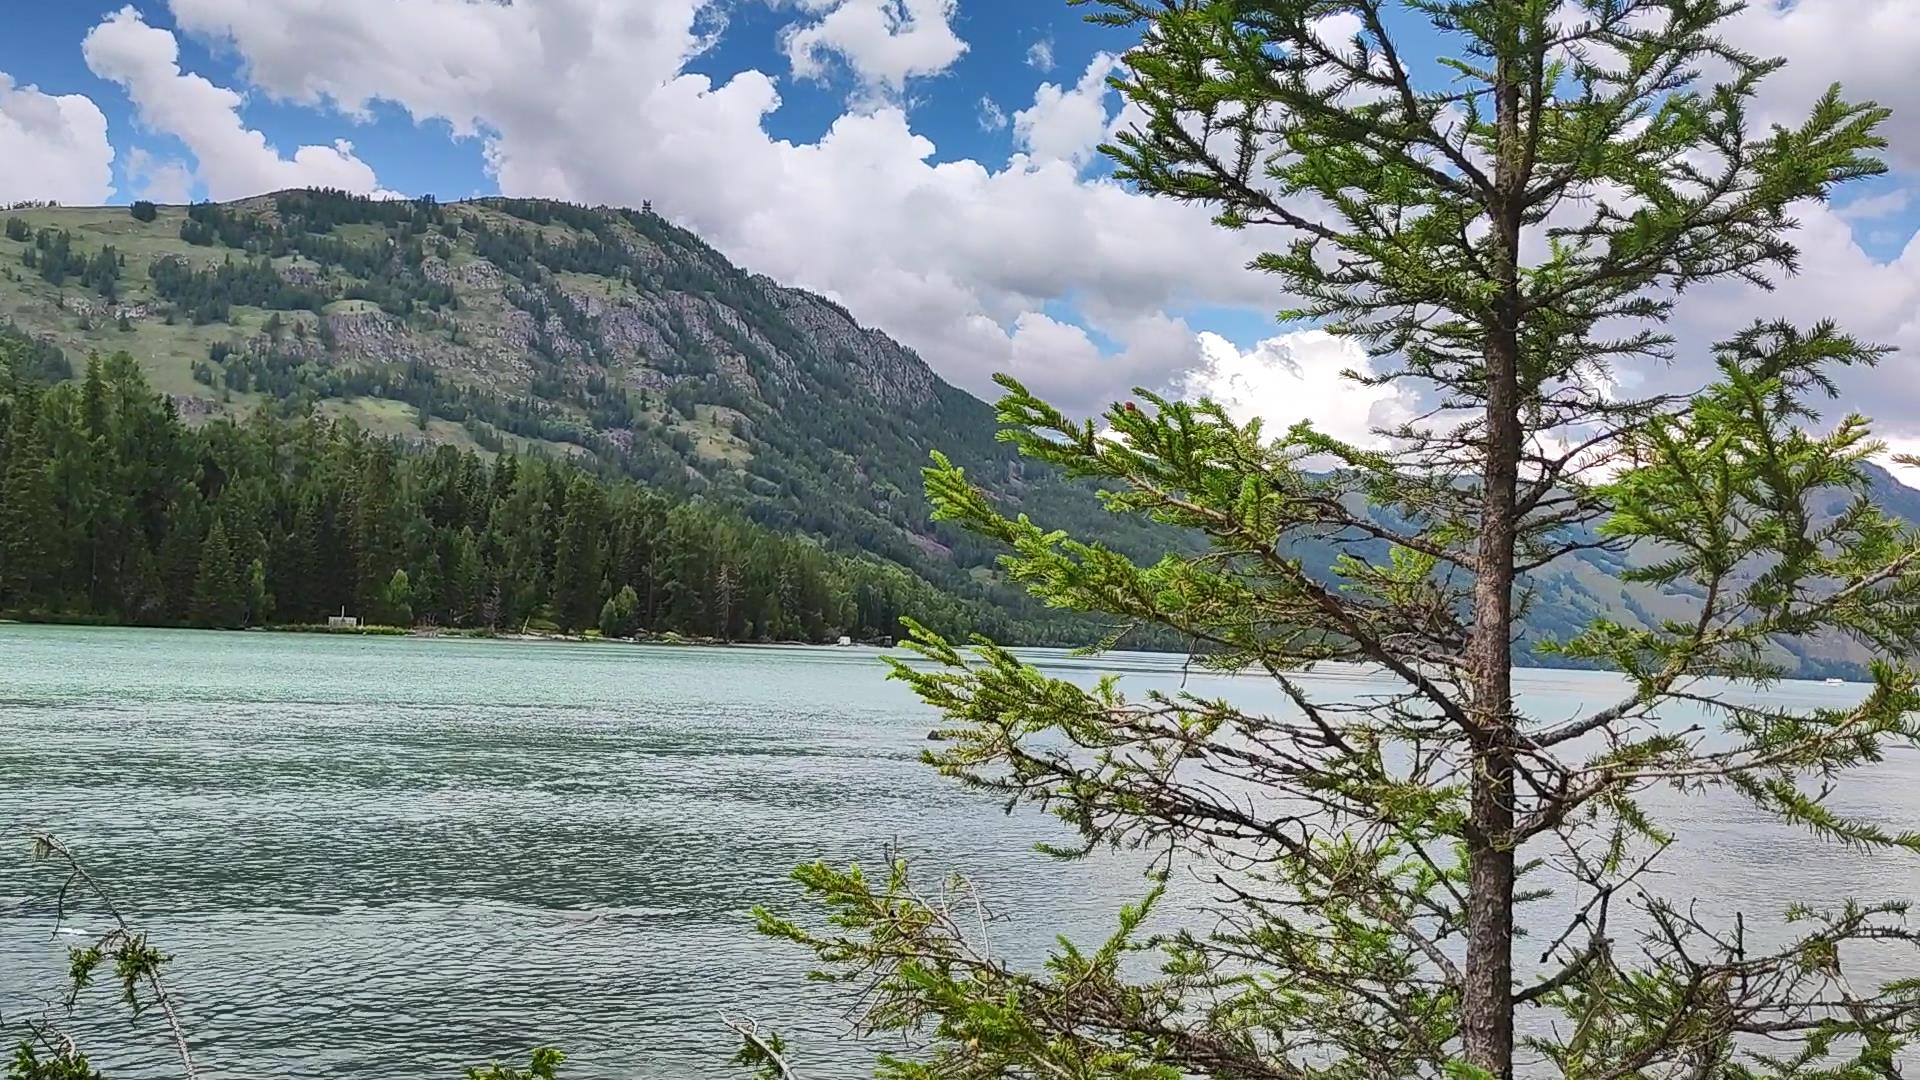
387,272
113,508
54,257
207,295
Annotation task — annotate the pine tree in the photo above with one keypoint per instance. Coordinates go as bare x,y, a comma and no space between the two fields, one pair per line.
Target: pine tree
93,399
219,589
28,513
467,581
578,559
179,567
378,524
1506,241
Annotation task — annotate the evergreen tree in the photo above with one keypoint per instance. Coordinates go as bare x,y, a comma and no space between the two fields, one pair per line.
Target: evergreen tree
28,514
93,400
578,556
378,524
220,588
179,568
1505,240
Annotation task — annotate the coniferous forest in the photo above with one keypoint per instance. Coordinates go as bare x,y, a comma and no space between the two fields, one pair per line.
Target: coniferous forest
114,509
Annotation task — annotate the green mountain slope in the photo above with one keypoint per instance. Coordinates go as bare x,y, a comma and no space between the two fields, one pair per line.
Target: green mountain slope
607,335
597,333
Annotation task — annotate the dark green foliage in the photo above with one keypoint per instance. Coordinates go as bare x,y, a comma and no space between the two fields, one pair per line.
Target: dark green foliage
295,519
30,518
18,229
143,210
58,262
30,358
219,591
320,210
209,295
579,565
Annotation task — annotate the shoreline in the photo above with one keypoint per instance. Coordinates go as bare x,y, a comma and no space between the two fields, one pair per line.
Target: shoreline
670,640
682,641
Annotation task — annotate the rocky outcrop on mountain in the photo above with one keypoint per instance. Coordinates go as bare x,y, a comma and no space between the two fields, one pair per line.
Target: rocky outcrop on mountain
891,372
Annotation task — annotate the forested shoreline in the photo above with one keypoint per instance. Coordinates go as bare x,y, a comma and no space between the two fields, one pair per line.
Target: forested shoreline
114,509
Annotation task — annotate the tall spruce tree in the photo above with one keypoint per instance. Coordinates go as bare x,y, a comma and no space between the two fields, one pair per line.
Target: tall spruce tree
29,515
1505,239
578,556
220,588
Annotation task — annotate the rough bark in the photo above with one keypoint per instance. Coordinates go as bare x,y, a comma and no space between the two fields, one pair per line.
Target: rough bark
1487,1008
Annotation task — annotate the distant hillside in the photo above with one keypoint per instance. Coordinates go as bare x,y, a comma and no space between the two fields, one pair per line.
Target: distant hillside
608,335
599,333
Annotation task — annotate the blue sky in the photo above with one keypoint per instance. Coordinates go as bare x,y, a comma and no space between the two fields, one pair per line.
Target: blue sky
42,47
914,159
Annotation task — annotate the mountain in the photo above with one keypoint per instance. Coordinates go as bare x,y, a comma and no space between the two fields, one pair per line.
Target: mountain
607,335
1579,589
596,333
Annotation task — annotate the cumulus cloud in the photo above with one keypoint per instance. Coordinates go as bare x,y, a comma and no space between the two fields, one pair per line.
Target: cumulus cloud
168,181
1875,207
234,160
884,42
1867,46
1300,376
1068,123
52,147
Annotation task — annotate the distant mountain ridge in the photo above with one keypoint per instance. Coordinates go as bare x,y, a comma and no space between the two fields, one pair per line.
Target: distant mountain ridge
601,333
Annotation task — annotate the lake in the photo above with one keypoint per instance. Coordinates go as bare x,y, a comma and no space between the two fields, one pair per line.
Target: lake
394,857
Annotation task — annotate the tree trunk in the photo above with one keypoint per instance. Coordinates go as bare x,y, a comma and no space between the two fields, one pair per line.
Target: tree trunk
1487,1006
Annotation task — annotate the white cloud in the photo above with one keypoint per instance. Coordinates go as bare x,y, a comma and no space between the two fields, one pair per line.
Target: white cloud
992,116
1040,55
884,42
1293,377
1875,301
1874,207
52,147
234,160
1867,46
168,181
1068,124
